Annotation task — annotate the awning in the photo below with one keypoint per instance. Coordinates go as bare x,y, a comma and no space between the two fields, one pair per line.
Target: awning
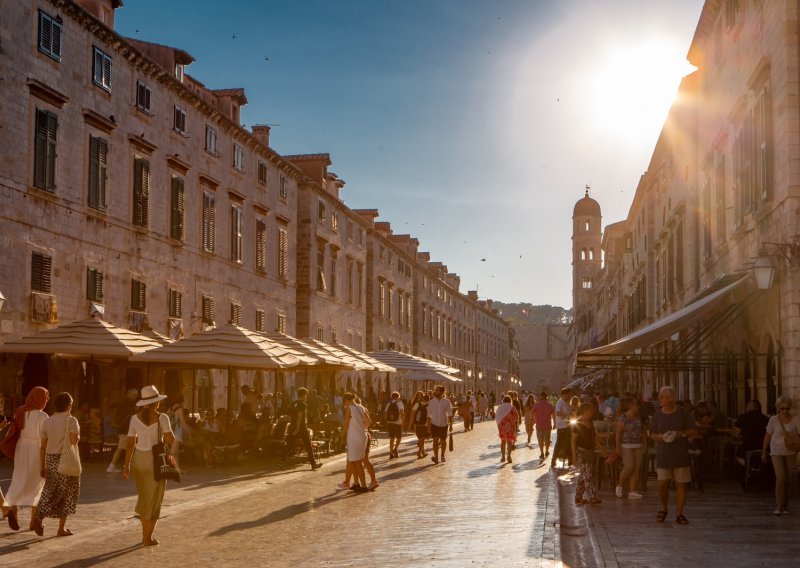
707,310
406,362
429,376
361,361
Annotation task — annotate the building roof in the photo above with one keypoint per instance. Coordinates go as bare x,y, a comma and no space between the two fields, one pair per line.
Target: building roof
586,206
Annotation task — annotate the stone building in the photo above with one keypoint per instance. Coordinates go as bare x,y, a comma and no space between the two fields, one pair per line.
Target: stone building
717,206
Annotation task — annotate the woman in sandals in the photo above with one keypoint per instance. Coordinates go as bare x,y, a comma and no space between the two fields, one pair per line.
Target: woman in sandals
143,434
61,492
507,418
783,458
583,442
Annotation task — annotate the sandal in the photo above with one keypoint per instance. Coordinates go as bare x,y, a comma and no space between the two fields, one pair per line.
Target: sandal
11,517
661,516
65,532
681,520
38,527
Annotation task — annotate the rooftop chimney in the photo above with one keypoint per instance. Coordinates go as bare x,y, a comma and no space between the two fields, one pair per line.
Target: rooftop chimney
261,132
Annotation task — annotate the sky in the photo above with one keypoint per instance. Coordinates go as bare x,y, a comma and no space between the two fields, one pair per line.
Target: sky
472,125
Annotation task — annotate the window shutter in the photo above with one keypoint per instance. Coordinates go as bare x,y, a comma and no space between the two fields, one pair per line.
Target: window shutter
45,32
98,67
141,187
208,222
260,320
98,153
138,295
175,301
94,284
236,233
283,253
261,245
41,272
176,220
208,310
40,151
106,70
55,41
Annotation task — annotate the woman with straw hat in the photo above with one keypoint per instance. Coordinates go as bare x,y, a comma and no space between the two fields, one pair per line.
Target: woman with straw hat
144,432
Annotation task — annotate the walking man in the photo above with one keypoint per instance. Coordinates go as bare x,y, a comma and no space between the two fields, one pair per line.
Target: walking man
395,415
298,430
122,420
440,412
672,428
563,437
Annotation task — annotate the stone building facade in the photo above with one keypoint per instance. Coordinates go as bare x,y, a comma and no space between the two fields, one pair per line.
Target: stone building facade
720,198
130,189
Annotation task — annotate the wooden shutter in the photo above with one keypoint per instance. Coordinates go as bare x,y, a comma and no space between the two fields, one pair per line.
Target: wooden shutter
208,222
94,284
141,192
45,32
44,153
55,42
260,320
208,310
261,245
177,216
175,303
98,168
236,233
283,252
41,272
138,295
236,314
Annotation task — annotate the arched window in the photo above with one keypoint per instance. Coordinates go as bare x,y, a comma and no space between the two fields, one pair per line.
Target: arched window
591,254
586,225
587,283
583,254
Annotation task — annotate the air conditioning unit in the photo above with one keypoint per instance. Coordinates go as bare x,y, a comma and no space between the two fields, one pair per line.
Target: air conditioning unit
44,308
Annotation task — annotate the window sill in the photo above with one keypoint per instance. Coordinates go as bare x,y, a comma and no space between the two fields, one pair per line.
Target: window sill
103,88
182,134
43,193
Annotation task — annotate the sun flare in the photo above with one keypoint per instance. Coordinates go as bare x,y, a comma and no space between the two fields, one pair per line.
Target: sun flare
631,89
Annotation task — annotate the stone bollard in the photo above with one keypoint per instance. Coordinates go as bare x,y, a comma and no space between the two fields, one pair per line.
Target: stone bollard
578,547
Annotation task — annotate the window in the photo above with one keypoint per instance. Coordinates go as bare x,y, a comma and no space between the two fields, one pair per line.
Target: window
94,285
283,252
333,336
261,245
350,231
44,151
350,283
141,192
41,272
320,333
208,222
586,283
138,295
238,157
284,190
208,310
236,233
586,225
332,288
261,320
98,172
262,173
50,35
236,314
211,140
763,140
176,218
142,97
360,277
179,120
381,299
179,72
282,323
175,303
321,286
321,212
101,74
335,221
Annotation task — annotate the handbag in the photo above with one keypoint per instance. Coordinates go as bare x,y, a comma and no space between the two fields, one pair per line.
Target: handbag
9,444
790,439
451,437
69,463
164,462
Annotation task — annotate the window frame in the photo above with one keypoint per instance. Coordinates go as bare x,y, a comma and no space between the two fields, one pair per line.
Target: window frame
101,68
211,140
41,272
98,173
138,295
94,284
45,144
177,208
179,119
53,47
143,97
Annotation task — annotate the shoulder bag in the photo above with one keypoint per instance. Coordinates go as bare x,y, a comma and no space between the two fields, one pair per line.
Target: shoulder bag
164,462
790,439
69,463
9,444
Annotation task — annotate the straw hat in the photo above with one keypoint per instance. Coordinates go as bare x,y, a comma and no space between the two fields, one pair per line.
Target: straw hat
150,396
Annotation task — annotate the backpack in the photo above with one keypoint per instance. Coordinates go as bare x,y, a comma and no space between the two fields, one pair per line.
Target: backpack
392,412
421,414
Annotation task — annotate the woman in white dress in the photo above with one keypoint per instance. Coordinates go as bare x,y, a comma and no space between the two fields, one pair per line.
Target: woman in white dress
356,432
26,481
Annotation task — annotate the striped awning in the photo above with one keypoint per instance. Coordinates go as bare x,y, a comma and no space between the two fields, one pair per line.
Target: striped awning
85,338
406,362
360,360
310,354
222,347
430,376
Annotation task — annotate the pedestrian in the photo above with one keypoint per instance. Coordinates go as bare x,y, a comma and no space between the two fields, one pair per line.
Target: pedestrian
355,431
298,430
671,429
60,493
563,445
395,415
750,429
529,415
181,429
545,422
518,405
465,411
121,420
419,420
507,419
249,396
26,480
583,443
781,428
147,428
483,405
369,468
440,413
631,444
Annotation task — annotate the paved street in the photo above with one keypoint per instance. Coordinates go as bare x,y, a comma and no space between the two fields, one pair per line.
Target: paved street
471,510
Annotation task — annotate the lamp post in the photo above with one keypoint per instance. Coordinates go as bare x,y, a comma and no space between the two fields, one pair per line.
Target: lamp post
764,272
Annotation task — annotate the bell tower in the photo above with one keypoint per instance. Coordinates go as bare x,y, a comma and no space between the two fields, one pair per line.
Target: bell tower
586,242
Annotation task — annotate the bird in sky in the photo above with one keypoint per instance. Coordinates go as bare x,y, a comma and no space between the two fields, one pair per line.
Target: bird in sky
483,260
266,59
233,36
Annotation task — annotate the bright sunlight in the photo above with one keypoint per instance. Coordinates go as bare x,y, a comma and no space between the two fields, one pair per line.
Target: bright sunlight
632,87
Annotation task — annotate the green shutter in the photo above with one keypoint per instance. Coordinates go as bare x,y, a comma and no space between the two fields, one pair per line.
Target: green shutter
177,216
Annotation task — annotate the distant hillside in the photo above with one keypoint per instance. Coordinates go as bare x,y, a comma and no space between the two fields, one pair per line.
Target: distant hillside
523,313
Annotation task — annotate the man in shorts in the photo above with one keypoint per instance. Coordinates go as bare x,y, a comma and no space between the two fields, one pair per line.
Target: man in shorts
671,429
440,412
395,415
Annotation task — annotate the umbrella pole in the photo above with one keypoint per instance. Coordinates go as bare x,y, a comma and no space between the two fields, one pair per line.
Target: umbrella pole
230,388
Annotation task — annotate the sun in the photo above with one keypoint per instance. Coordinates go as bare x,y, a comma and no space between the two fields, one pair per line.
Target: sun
630,89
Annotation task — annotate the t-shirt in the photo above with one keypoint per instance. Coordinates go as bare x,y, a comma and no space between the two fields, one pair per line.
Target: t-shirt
631,431
583,434
147,436
777,444
55,430
296,408
439,411
544,413
753,425
676,453
399,412
562,421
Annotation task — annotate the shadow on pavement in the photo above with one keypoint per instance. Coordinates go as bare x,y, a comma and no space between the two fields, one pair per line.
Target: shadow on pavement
104,557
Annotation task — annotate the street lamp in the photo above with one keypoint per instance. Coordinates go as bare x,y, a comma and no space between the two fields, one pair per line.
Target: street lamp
764,272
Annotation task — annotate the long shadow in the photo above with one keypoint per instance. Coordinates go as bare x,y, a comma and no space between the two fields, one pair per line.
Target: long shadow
103,557
483,471
18,546
284,514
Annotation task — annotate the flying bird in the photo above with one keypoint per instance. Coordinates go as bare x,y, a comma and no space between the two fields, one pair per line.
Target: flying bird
266,58
233,36
483,260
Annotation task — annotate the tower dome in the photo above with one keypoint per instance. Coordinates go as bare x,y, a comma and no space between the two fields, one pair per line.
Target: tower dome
586,206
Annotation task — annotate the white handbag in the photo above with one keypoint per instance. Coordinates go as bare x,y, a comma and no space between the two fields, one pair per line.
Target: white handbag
70,462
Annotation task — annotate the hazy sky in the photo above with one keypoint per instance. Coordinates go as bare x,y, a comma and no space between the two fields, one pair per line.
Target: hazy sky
472,125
